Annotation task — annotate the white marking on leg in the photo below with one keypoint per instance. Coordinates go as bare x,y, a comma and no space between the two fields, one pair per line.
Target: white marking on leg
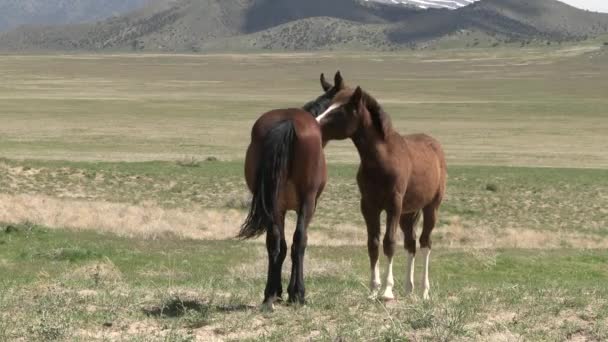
331,108
409,275
426,285
389,281
375,281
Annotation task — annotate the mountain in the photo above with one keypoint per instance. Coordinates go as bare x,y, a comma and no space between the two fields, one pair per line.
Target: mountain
213,25
504,20
14,13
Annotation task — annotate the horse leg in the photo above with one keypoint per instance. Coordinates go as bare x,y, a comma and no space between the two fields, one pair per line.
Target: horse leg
392,219
408,226
430,219
276,248
371,214
296,288
282,255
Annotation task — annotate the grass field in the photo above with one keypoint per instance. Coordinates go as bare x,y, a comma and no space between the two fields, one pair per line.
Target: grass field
499,107
121,190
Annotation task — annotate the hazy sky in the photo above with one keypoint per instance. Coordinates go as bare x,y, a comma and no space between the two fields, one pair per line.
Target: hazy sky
593,5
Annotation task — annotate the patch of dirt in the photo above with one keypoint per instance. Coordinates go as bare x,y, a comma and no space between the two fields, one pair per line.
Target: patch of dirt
504,336
256,327
87,293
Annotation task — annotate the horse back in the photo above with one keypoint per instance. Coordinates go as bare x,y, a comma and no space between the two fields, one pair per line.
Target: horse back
425,148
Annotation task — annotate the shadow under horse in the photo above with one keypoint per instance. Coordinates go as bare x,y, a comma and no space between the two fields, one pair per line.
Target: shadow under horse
401,175
285,170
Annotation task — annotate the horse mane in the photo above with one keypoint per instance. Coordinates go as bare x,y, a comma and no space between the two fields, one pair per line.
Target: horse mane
380,119
318,106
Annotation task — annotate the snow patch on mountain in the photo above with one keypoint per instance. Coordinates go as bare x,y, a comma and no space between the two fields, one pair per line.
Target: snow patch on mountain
426,4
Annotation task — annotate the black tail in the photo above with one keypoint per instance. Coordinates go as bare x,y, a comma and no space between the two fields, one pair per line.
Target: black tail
277,153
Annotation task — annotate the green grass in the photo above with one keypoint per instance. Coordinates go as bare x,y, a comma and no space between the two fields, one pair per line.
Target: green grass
534,295
77,285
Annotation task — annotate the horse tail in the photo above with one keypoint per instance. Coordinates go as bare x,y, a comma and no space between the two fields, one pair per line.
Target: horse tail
277,153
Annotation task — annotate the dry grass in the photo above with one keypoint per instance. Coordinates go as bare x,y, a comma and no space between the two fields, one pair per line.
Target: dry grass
540,108
454,235
150,221
146,221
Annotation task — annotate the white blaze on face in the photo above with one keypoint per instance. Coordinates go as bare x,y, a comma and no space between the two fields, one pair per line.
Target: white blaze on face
329,110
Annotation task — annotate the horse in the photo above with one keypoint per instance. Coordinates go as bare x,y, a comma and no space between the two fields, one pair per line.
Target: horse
401,175
321,103
285,170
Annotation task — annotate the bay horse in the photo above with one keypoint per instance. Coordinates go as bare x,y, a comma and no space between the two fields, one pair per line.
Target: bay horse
401,175
285,170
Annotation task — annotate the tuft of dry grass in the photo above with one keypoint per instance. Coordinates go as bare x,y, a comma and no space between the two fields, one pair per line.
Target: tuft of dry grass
148,221
455,235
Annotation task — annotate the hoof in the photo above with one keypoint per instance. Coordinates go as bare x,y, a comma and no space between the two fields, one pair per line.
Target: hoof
373,295
267,307
388,299
409,291
426,296
296,302
388,295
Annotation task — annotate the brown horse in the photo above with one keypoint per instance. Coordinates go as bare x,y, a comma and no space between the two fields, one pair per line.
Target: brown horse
402,175
285,170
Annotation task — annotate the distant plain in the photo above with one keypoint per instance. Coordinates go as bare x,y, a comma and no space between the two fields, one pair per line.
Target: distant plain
121,190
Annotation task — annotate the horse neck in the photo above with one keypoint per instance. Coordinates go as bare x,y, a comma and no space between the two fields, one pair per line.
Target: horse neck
369,144
316,107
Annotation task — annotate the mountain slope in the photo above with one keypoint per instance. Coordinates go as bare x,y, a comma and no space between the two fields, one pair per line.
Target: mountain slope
14,13
265,14
550,16
318,33
186,25
202,25
170,26
507,19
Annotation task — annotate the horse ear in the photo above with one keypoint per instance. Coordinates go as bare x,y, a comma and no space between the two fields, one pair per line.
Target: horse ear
357,97
338,81
324,84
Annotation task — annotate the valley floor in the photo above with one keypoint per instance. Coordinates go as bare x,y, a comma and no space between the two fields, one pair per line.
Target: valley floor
121,191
